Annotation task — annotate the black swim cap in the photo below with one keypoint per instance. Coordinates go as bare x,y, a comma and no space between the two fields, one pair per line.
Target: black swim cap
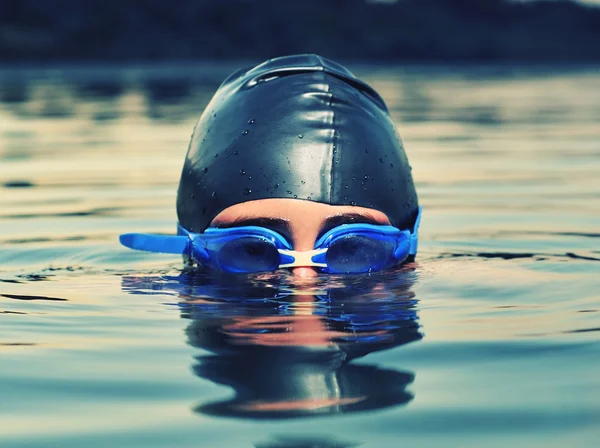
299,127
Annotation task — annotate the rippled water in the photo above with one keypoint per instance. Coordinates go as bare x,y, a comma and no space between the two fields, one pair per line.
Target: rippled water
491,339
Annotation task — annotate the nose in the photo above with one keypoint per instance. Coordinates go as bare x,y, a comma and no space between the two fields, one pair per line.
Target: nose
304,272
304,241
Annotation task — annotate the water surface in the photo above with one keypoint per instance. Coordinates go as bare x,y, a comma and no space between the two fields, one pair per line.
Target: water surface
491,339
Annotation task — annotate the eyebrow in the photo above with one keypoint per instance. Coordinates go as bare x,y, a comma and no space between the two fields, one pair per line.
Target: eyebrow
283,227
279,225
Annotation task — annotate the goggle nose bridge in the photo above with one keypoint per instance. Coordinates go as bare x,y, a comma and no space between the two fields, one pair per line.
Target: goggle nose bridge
308,258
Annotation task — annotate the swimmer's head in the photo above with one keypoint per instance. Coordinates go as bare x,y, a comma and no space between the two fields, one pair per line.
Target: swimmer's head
287,153
300,144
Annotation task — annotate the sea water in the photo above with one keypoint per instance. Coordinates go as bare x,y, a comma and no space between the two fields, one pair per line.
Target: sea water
490,339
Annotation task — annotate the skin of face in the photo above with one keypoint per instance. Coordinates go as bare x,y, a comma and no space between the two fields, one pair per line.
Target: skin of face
303,221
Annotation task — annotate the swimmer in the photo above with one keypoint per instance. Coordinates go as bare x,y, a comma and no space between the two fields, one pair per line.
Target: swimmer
294,164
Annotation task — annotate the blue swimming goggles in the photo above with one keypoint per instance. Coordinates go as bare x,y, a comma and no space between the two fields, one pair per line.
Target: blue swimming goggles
348,248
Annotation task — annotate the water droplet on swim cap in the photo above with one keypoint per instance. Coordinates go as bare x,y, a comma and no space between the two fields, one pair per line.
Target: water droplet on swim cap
242,171
213,195
251,121
247,191
245,132
205,170
300,135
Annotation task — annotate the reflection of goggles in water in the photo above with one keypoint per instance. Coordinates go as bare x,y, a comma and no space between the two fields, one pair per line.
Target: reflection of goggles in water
349,248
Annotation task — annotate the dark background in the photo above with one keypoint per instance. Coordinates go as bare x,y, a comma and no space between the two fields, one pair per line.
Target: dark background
402,30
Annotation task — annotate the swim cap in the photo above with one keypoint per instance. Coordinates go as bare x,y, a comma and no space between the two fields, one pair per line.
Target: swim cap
300,127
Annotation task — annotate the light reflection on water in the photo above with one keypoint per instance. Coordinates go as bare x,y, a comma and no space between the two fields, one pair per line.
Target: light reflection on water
490,339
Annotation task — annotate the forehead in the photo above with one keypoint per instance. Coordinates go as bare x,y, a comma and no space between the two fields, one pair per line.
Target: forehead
295,211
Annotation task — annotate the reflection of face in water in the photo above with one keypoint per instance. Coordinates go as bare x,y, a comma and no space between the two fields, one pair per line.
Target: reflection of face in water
286,349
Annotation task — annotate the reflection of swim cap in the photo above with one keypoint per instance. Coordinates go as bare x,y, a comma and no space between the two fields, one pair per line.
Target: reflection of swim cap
295,127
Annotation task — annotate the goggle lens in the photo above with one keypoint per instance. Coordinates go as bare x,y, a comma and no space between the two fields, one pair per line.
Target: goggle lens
358,253
248,254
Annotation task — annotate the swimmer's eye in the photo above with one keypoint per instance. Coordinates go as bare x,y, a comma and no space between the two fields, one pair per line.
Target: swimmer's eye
357,253
248,254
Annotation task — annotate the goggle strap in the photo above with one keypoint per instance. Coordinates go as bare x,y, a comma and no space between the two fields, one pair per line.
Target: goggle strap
414,244
414,237
166,244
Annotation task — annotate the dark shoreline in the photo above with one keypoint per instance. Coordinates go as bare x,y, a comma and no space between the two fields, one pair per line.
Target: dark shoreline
405,31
